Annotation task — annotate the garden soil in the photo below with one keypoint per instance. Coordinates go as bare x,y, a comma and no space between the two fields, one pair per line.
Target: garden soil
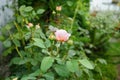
118,67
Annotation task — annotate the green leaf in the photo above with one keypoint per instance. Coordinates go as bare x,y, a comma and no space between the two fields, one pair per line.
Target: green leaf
8,26
17,36
2,38
38,42
59,60
102,61
87,71
72,65
15,60
28,78
8,51
88,51
36,73
71,53
62,70
42,35
49,76
16,42
27,35
79,73
41,79
86,63
47,43
69,3
7,43
85,39
40,11
22,8
34,62
33,13
23,61
28,9
45,51
19,61
22,11
91,79
46,63
29,46
19,19
98,69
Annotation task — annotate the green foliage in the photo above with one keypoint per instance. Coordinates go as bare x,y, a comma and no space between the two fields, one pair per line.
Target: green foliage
86,63
72,66
46,63
38,55
38,42
108,72
62,70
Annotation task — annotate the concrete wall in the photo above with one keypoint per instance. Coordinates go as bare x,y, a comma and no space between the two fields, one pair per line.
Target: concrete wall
6,13
103,5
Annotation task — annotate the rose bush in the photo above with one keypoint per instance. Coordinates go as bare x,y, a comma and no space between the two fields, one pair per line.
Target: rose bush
54,42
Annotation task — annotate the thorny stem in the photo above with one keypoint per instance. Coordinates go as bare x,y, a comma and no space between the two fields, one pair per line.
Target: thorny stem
32,36
57,52
18,52
65,56
76,10
11,37
32,33
20,32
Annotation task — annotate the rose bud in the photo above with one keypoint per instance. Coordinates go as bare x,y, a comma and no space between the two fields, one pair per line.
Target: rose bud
51,37
58,8
70,42
29,25
37,26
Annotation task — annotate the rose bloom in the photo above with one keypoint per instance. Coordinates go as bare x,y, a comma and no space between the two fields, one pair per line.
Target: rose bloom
62,35
29,25
58,8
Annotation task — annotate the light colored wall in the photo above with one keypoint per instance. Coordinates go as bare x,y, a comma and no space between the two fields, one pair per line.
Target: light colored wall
103,5
6,13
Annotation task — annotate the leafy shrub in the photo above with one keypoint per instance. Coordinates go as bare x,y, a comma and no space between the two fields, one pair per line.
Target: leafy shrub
36,51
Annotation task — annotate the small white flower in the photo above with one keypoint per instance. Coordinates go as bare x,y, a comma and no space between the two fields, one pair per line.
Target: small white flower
15,78
37,26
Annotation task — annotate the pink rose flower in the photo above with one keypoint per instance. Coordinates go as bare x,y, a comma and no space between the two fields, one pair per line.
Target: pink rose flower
62,35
